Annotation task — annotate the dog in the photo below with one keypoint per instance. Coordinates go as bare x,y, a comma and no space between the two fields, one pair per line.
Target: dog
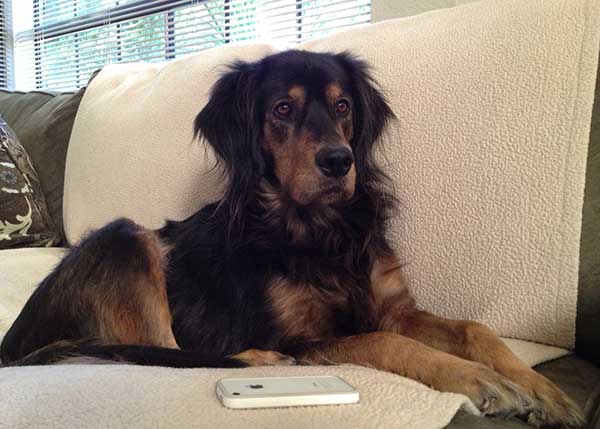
292,264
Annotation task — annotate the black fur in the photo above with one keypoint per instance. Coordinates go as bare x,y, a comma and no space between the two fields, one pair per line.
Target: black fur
217,291
224,256
60,351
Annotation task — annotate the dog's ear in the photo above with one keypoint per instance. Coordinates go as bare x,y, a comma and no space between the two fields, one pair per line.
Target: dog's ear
230,123
372,112
371,115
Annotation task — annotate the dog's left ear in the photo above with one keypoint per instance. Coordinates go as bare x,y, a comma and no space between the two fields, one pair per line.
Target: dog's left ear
372,110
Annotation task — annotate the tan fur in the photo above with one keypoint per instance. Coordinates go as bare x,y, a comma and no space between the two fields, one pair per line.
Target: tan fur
297,95
135,310
476,342
294,150
390,293
474,360
280,210
333,92
490,391
294,162
255,357
303,312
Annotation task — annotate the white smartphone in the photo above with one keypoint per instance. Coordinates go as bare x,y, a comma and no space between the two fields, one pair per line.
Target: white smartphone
268,392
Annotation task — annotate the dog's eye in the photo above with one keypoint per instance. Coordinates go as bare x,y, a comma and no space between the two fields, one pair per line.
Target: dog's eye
342,107
283,109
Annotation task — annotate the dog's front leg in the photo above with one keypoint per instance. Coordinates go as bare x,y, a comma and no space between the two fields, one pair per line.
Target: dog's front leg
467,340
491,392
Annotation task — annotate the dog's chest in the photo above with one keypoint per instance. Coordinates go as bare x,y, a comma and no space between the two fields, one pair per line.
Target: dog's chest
305,311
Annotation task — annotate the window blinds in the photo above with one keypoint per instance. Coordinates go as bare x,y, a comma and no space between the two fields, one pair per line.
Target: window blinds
70,39
6,43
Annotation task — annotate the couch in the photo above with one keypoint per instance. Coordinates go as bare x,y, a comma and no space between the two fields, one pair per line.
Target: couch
44,122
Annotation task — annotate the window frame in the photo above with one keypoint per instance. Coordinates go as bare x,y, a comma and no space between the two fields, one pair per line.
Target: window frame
7,59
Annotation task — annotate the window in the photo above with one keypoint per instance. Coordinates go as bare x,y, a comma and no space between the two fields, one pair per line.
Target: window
67,40
6,42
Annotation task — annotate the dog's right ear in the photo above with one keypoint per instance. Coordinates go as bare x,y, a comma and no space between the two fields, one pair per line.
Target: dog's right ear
230,123
229,120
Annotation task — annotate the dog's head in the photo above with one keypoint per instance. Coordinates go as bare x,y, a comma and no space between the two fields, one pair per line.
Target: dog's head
304,121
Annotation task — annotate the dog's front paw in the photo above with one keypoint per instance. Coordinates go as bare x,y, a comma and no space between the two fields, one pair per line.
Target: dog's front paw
492,393
551,406
255,357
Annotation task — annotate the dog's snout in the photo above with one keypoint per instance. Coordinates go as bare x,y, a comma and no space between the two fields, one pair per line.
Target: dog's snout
334,162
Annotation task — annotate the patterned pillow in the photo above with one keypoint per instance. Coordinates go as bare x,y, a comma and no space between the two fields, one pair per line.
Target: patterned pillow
24,218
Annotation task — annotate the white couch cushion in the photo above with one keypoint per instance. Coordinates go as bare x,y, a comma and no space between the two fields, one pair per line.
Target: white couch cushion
494,103
20,272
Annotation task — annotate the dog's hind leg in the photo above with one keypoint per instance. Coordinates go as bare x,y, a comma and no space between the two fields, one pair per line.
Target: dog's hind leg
111,287
132,307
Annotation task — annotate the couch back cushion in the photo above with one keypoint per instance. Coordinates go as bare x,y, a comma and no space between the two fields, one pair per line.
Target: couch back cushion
43,122
488,156
133,152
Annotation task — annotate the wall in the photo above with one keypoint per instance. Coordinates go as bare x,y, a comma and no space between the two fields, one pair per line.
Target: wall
387,9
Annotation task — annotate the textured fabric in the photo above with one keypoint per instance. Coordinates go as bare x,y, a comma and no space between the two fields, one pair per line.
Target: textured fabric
21,271
534,353
43,123
24,218
588,314
185,398
138,397
577,377
494,102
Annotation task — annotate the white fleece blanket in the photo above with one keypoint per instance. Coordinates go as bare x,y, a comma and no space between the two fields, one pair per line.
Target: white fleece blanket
124,396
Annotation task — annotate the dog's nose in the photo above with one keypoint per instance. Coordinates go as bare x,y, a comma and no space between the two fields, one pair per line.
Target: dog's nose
334,162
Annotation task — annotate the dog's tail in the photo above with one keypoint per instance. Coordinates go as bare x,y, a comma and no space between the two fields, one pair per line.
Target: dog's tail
93,351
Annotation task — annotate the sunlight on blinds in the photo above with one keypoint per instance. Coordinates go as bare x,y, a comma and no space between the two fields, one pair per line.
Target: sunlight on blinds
6,42
70,39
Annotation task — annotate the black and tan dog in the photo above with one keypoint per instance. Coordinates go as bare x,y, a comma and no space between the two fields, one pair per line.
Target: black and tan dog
292,261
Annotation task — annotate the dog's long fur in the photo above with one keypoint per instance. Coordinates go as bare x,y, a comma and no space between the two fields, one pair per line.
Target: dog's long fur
294,258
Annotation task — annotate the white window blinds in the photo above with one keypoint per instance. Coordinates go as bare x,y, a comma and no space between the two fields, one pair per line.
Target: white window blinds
69,39
6,43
